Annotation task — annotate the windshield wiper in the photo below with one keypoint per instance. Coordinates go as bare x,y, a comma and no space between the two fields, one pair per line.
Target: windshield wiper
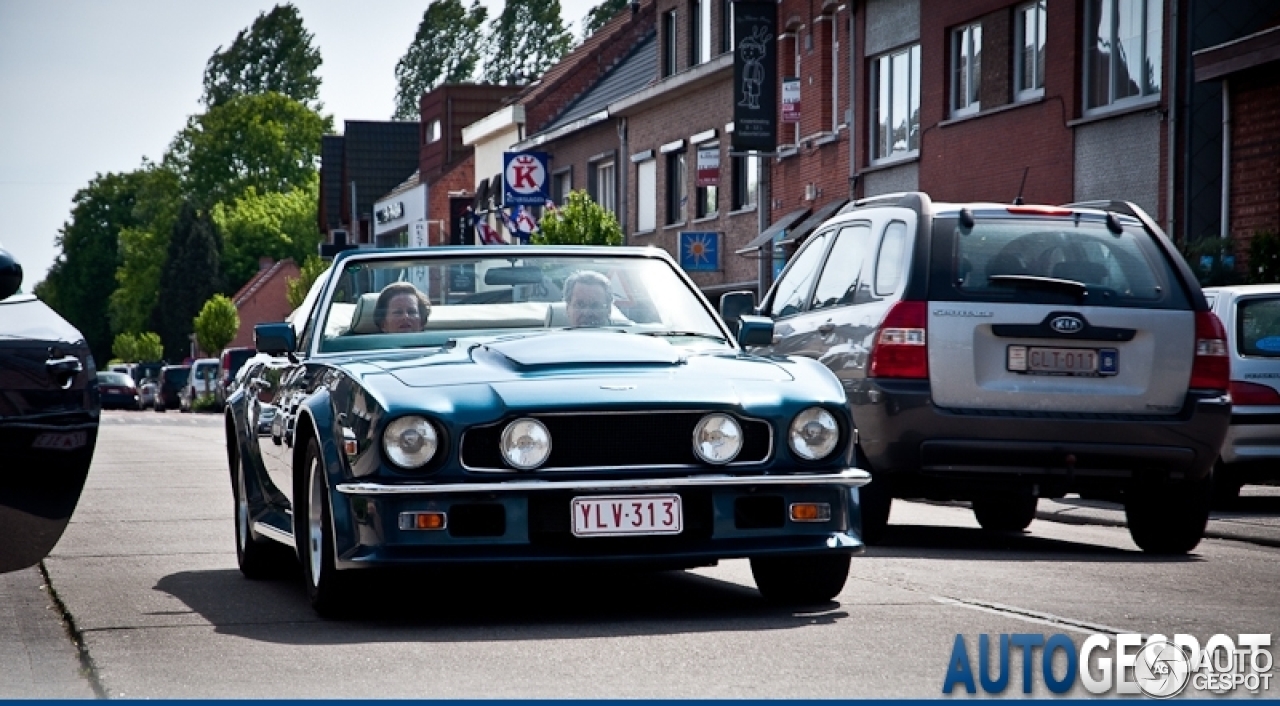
691,334
1071,286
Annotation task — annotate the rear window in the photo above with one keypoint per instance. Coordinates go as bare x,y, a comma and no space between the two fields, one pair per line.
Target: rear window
235,358
175,375
115,379
1259,321
1005,258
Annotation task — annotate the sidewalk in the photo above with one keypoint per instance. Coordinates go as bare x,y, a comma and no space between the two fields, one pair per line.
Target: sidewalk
1254,518
37,658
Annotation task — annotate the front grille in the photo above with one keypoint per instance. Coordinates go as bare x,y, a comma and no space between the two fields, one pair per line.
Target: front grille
621,440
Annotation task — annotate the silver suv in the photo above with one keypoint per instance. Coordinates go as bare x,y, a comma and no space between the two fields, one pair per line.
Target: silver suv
1000,354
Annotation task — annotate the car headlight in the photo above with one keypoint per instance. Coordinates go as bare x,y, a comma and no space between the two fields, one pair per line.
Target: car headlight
814,434
410,442
526,444
717,438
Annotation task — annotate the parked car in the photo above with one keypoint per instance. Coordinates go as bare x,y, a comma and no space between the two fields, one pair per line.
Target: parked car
172,379
498,434
1000,354
229,363
49,413
118,391
202,381
147,392
1251,452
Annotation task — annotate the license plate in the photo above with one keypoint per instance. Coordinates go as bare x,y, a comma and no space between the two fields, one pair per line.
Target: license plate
60,440
1040,360
624,515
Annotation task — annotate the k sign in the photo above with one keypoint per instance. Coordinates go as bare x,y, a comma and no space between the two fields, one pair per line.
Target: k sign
524,178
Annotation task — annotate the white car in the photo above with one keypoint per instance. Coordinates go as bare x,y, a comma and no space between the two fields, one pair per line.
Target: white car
202,382
1251,451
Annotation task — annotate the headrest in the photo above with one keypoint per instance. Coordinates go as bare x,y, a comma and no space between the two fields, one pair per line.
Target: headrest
362,319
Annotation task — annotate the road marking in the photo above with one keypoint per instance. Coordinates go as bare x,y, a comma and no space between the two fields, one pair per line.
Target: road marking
1032,616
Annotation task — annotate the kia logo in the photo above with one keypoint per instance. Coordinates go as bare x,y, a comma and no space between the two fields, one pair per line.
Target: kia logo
1067,324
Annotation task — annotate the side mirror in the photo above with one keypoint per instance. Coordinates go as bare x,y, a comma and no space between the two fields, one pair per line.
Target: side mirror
274,339
734,304
755,331
10,275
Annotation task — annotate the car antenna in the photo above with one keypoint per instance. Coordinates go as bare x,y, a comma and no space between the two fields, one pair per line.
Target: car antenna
1017,200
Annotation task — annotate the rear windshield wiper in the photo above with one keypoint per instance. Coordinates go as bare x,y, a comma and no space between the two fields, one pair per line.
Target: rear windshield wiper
1071,286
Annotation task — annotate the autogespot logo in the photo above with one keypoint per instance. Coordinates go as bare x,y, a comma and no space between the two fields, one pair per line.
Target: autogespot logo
1152,665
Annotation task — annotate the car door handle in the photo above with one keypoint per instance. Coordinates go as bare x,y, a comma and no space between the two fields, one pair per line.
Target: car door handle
826,328
63,370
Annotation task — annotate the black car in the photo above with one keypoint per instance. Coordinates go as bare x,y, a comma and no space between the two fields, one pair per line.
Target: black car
1002,353
118,391
49,411
172,379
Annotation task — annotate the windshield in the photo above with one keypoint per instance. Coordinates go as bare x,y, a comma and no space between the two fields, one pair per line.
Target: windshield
115,379
427,301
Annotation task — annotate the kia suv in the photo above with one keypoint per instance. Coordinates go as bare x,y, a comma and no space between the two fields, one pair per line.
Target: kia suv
1003,353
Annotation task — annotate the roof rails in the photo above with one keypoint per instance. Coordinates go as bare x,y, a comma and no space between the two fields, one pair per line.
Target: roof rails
906,199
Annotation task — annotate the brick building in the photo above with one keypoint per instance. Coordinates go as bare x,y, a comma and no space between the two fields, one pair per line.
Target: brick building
263,299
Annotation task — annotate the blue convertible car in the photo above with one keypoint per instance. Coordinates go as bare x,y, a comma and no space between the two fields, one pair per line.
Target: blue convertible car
450,406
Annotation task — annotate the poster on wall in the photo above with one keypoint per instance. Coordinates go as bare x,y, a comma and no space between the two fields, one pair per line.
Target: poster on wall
708,166
699,251
791,99
755,75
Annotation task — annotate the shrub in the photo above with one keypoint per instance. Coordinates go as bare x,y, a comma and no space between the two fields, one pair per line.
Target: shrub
1264,258
206,403
1211,259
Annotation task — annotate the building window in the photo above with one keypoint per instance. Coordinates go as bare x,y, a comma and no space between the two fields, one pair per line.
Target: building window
676,196
726,26
1028,57
706,198
604,185
669,43
1123,50
895,119
646,195
699,31
746,179
433,131
966,69
561,185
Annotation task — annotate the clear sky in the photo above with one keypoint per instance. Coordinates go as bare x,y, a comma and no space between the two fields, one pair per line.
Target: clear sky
89,87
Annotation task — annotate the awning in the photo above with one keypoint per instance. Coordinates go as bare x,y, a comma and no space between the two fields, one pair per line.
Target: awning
772,231
819,217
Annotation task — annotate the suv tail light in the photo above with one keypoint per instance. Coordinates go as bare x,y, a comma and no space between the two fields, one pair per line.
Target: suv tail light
1212,367
1251,393
901,349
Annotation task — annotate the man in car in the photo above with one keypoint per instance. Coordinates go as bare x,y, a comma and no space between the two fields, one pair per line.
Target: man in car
588,298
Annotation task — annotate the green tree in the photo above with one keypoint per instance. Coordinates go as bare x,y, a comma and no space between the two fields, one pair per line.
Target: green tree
143,248
581,221
266,141
216,324
296,288
274,55
190,276
149,346
82,279
528,38
445,50
275,225
600,14
125,347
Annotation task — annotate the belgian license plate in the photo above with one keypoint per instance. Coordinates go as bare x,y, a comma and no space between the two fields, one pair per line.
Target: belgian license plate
623,515
60,440
1040,360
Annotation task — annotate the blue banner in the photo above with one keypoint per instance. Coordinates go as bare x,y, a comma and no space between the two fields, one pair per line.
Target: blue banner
525,179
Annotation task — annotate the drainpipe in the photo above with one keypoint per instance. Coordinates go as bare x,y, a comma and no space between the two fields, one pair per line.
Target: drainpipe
1175,79
1226,159
853,102
623,163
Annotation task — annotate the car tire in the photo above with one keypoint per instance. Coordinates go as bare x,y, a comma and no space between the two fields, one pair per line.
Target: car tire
800,580
313,534
1005,513
875,501
1226,487
258,557
1169,518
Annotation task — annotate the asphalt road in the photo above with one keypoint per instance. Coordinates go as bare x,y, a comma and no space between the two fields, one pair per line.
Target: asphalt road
143,600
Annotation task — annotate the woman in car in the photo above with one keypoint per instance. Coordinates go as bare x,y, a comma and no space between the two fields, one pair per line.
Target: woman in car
401,308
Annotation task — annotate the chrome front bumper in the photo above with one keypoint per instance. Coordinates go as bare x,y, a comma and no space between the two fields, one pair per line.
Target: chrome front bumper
850,477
